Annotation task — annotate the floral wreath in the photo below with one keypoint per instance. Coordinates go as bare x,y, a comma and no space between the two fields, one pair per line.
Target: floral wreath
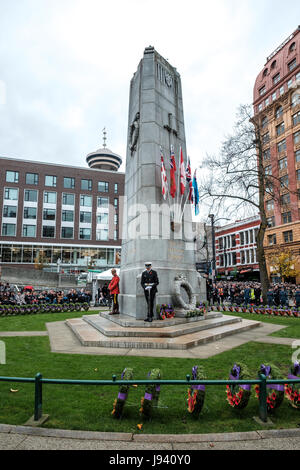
238,396
120,401
276,392
196,393
166,311
151,396
292,391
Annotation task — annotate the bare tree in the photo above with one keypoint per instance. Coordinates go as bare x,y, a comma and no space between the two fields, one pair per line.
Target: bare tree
239,180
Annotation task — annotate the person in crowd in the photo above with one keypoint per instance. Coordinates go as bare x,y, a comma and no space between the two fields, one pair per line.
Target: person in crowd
114,292
283,297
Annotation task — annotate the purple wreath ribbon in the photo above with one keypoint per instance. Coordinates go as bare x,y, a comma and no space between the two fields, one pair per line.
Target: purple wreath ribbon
148,396
266,370
236,370
277,387
194,374
122,396
157,388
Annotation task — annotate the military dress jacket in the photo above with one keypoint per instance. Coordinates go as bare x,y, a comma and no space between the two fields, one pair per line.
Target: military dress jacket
150,277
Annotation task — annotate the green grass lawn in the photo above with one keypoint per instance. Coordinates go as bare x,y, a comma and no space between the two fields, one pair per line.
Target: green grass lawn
292,329
37,322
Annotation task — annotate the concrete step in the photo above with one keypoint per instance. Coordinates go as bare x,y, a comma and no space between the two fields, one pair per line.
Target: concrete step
170,330
90,336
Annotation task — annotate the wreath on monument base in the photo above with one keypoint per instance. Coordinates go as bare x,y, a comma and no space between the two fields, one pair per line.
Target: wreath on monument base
292,391
276,392
151,396
238,396
120,401
165,311
196,393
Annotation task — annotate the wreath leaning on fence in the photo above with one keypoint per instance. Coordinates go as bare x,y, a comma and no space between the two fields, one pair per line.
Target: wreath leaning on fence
238,396
151,396
120,401
275,393
292,391
196,393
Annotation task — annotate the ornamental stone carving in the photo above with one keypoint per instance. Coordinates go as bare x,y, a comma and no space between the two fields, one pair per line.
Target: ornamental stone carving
180,281
134,133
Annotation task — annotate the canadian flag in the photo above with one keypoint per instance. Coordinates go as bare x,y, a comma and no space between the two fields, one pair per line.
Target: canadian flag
182,173
164,182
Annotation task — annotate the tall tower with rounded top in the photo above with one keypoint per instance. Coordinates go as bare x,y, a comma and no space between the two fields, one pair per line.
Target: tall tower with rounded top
104,158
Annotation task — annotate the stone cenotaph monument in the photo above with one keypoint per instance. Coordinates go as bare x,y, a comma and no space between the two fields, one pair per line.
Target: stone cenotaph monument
155,229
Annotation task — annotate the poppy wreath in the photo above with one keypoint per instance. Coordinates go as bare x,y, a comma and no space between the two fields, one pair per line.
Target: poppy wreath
166,311
292,391
120,401
151,396
275,393
196,393
238,396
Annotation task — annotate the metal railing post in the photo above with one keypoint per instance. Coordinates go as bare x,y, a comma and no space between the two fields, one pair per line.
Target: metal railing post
38,398
263,414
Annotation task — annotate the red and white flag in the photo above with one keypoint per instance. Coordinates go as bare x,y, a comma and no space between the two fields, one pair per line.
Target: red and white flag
172,173
164,182
188,177
182,173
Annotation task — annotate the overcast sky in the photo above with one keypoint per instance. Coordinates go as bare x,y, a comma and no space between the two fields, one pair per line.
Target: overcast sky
66,65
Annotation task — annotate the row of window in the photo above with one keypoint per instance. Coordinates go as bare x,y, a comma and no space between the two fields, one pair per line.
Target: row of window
279,92
286,218
50,180
246,237
9,230
287,237
280,128
68,199
230,259
281,146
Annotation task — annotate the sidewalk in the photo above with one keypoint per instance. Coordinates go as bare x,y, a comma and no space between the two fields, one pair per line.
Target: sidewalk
27,438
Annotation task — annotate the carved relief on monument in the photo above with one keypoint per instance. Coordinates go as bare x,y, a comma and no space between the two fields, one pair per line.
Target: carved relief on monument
134,133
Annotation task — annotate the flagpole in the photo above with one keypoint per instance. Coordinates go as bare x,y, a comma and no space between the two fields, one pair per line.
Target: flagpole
184,205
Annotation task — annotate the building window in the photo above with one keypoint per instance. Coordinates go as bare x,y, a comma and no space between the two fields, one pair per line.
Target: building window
296,118
273,65
116,188
116,219
272,239
285,199
50,181
67,232
103,202
12,176
85,217
292,47
271,221
49,197
267,102
233,241
32,178
262,91
85,233
86,185
102,234
286,217
69,183
267,154
297,137
49,214
48,231
282,163
85,201
29,231
292,65
274,96
68,199
10,211
242,242
11,194
30,213
281,90
8,230
67,216
30,195
278,112
281,146
280,128
284,181
268,170
298,175
270,205
297,156
115,234
103,187
102,218
295,99
266,138
260,107
288,236
276,78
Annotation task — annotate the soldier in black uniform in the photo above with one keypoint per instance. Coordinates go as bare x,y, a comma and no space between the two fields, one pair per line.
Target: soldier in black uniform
149,283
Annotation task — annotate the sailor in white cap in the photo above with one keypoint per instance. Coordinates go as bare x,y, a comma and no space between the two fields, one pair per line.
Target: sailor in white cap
149,283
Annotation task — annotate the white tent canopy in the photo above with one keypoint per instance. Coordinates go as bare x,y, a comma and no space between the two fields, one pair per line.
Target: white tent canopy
105,275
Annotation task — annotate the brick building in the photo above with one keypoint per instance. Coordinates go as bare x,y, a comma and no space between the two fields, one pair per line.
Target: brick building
61,215
236,250
277,110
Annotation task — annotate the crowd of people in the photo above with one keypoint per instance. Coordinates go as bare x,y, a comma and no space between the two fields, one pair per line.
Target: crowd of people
250,293
11,296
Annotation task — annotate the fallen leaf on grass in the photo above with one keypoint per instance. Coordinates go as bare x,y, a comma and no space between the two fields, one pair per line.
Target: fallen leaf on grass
139,426
13,391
